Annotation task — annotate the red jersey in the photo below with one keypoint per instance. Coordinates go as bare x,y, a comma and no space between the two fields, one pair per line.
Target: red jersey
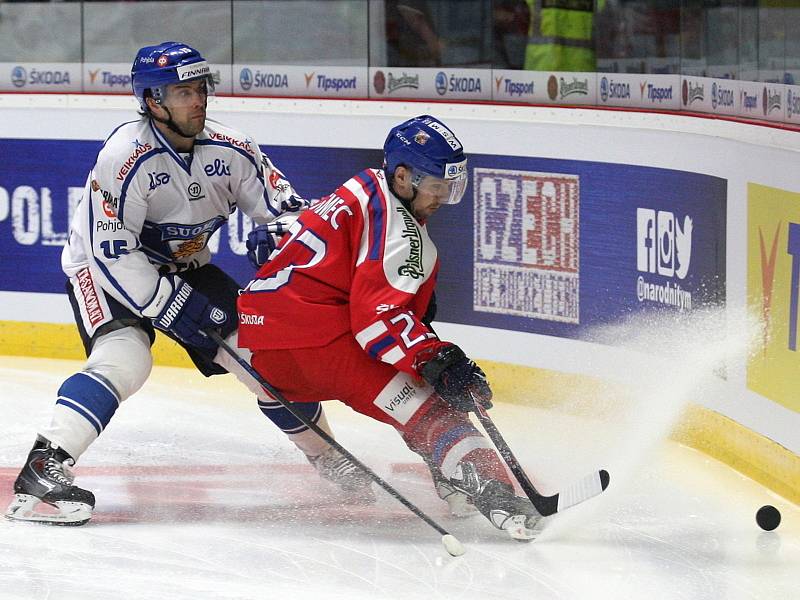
356,262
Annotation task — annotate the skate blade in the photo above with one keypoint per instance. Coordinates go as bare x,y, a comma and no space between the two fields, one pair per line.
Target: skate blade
518,528
460,507
360,497
457,502
25,507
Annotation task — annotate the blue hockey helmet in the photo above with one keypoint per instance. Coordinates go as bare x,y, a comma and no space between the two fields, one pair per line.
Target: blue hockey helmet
427,147
156,67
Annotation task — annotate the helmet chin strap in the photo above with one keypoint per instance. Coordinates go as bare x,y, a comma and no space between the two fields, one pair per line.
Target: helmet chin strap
172,125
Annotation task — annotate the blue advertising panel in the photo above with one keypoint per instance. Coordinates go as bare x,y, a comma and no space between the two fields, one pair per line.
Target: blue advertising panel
557,246
540,245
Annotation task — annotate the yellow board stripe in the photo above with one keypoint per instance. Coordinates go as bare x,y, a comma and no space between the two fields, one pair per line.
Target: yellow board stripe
750,453
54,340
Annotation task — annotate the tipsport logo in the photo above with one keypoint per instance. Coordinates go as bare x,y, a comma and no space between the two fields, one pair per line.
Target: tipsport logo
769,260
653,93
514,88
664,248
793,248
748,102
110,79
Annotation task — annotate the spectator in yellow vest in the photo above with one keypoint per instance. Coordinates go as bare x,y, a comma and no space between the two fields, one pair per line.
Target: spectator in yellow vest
561,35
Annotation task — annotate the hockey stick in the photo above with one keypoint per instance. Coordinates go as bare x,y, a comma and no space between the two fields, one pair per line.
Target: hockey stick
581,490
450,542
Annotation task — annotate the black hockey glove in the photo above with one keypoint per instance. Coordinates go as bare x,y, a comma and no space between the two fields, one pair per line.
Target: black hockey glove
457,379
262,241
180,310
430,312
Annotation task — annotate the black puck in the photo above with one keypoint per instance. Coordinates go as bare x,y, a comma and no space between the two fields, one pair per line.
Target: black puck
768,517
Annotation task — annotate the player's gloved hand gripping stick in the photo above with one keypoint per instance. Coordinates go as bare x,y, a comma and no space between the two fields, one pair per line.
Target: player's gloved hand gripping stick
450,542
181,310
456,379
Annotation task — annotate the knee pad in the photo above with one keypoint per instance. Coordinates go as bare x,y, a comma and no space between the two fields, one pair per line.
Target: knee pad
123,359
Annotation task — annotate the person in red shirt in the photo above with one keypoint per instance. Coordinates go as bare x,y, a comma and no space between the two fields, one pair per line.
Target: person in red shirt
342,310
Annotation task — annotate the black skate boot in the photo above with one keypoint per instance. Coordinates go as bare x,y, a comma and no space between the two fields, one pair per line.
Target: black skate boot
45,478
340,470
497,502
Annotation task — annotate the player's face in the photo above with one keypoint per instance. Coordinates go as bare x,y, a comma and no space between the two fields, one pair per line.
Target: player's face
426,203
427,198
187,105
432,192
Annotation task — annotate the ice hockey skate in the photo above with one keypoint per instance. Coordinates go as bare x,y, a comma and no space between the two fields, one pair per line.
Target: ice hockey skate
459,503
497,502
44,490
339,470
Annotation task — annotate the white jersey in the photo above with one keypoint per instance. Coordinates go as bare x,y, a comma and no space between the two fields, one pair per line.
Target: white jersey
147,207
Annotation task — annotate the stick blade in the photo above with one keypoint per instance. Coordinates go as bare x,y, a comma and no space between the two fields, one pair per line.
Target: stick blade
583,489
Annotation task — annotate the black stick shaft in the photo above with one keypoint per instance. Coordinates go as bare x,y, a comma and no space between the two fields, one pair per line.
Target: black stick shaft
316,429
546,505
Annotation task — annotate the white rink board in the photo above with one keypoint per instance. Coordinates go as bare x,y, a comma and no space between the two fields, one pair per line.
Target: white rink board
737,152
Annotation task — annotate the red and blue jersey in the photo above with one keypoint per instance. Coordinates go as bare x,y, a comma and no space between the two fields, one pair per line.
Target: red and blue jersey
357,263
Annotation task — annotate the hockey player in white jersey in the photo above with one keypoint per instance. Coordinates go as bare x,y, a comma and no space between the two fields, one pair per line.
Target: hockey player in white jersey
137,259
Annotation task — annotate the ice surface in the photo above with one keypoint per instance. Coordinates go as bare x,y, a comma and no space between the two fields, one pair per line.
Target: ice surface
200,497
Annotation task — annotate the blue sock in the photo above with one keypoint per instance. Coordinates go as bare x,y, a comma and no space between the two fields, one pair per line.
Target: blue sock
91,396
285,420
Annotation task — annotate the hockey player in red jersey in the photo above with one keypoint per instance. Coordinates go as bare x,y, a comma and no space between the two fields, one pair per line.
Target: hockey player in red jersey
342,310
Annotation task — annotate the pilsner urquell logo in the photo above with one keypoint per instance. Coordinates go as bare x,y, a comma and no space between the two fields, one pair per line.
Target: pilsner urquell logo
693,92
412,267
576,86
404,81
